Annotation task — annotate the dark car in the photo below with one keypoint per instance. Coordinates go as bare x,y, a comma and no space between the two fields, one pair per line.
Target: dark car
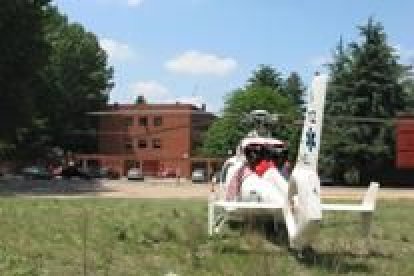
326,181
102,172
36,172
113,174
98,172
72,171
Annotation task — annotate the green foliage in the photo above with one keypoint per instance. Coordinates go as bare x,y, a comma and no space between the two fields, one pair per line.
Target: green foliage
76,81
366,80
52,73
257,97
140,99
265,90
408,84
266,76
295,90
221,137
23,53
226,132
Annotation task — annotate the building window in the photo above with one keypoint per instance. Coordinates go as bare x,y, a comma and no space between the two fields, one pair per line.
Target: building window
129,121
157,121
156,143
132,164
128,145
143,121
142,143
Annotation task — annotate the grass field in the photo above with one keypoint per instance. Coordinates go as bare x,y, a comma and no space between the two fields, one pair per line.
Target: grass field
157,237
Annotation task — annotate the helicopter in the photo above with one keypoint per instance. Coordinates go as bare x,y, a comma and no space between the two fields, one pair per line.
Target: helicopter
251,181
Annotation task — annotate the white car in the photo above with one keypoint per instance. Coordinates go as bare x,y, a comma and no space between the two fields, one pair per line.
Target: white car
198,175
135,174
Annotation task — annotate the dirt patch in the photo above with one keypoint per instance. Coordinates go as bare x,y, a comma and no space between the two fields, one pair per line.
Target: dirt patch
186,189
158,188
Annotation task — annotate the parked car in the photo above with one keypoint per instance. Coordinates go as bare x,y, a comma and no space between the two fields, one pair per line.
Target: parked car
98,172
72,171
56,171
326,181
36,172
135,174
113,174
198,175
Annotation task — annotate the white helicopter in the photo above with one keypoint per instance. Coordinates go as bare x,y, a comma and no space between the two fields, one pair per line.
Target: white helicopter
295,200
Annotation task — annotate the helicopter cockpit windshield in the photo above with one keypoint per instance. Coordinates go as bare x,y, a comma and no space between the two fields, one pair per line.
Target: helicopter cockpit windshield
259,151
264,162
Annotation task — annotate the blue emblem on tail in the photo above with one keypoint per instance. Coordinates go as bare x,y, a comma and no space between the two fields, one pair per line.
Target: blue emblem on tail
310,139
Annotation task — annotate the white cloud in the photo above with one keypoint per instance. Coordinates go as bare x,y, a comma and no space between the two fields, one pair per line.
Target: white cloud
134,3
155,92
197,63
151,90
117,51
130,3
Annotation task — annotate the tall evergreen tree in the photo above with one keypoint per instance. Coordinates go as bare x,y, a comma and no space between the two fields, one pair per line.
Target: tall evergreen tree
295,90
365,81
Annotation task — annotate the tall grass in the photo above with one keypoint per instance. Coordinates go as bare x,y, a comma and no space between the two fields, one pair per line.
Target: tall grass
157,237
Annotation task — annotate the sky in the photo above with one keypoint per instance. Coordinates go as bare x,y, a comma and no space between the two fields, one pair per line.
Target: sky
197,51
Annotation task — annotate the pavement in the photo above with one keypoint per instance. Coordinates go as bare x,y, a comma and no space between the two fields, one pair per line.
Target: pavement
156,188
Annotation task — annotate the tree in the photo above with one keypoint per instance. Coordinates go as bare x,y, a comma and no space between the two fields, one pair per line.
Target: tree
266,76
76,80
409,94
23,54
140,99
295,90
332,161
366,80
225,133
51,73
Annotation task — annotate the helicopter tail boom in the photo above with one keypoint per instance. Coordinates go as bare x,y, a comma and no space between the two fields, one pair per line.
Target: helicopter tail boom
303,212
312,128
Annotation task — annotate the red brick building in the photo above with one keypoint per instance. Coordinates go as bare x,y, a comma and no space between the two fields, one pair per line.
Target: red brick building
158,138
405,141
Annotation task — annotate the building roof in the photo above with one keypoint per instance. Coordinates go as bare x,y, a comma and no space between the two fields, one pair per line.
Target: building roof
146,106
130,109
